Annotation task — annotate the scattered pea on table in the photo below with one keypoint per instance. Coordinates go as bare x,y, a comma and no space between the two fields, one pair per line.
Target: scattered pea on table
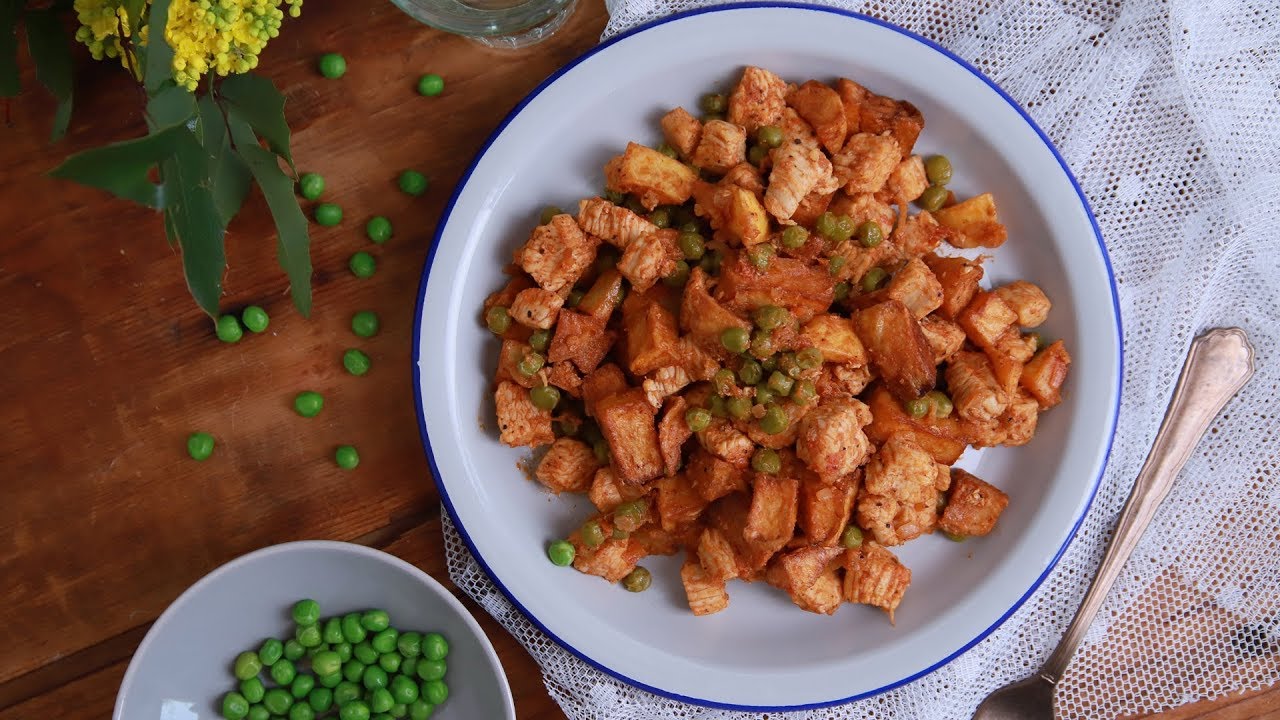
199,446
346,457
309,404
413,182
430,85
311,185
255,318
228,329
365,323
378,229
328,214
355,361
333,65
362,265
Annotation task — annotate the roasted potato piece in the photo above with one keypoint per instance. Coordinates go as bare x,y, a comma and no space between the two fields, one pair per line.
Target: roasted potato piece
602,382
1016,345
722,146
520,422
657,541
973,506
1005,368
825,508
897,348
1027,300
716,555
757,100
1019,419
919,235
820,106
874,576
834,336
804,289
713,477
612,223
607,492
959,279
604,296
705,595
1044,374
626,421
943,438
651,176
536,308
678,503
612,560
652,340
797,572
704,318
974,222
580,338
673,431
831,441
797,171
745,217
564,376
726,442
813,205
986,318
944,336
974,390
746,176
568,466
557,254
681,131
916,287
898,501
852,95
774,507
880,114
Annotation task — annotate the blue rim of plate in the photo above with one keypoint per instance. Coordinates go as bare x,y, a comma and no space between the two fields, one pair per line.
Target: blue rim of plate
448,211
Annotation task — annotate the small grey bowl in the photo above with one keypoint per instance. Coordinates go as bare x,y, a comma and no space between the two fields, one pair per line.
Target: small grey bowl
183,666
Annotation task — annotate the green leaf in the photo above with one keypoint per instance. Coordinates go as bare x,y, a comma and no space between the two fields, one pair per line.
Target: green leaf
172,105
121,168
159,65
255,100
230,176
293,246
133,10
52,55
192,217
9,83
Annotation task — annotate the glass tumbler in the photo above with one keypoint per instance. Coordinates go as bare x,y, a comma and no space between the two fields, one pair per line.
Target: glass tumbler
508,24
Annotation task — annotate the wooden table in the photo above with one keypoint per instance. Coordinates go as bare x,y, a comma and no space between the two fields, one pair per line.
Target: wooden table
106,364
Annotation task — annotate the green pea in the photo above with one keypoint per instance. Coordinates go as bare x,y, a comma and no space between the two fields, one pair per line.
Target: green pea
430,85
301,711
760,255
228,330
409,644
385,641
255,318
234,706
343,648
780,383
826,225
851,537
841,290
667,150
326,663
308,636
937,168
278,701
365,323
638,580
199,446
404,690
320,699
561,552
353,670
794,237
873,279
252,689
603,454
762,343
247,665
835,264
352,630
735,339
954,537
771,317
271,651
330,681
764,395
283,671
774,420
942,405
378,229
661,217
766,461
808,358
710,263
717,406
306,612
435,691
364,652
575,297
723,381
710,103
308,403
804,393
844,229
756,154
301,686
328,214
692,245
380,700
739,408
420,709
544,397
332,631
354,710
435,646
333,65
412,182
355,361
258,712
769,363
870,234
409,667
293,650
592,536
679,277
1037,339
430,670
345,693
614,196
750,372
390,662
316,649
698,419
311,185
769,136
932,198
374,677
917,408
362,265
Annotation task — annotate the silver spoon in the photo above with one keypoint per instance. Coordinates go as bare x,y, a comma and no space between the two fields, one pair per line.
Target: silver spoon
1218,364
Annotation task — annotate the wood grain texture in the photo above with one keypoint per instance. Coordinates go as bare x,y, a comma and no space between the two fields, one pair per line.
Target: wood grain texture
108,364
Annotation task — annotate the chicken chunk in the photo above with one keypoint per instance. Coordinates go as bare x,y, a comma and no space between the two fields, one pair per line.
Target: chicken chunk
650,258
757,100
681,131
908,180
557,254
714,478
866,162
569,466
612,560
716,555
1027,300
843,380
945,337
723,145
973,506
705,594
746,176
874,576
916,287
796,131
612,223
520,422
536,308
727,443
607,492
774,507
1019,419
919,235
975,392
831,441
808,576
797,171
898,501
673,431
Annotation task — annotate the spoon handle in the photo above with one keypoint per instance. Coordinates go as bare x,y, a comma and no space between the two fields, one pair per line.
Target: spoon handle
1218,364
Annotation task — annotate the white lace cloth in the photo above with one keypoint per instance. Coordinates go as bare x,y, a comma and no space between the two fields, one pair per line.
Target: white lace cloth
1167,113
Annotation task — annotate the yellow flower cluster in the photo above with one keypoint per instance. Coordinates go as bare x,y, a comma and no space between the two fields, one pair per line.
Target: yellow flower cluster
221,36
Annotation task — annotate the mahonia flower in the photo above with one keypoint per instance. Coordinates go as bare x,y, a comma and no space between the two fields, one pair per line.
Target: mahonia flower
220,36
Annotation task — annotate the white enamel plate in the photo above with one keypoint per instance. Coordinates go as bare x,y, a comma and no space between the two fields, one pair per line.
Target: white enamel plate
763,652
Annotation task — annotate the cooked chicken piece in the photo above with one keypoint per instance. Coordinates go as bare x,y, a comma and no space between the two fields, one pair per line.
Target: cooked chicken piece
920,235
716,555
696,362
795,131
1019,419
808,575
831,440
712,477
757,100
899,499
974,390
874,576
986,318
745,176
973,506
557,254
673,431
607,492
864,207
945,337
681,131
569,466
519,420
1027,300
866,162
916,287
843,380
650,258
898,350
612,560
612,223
908,180
705,595
797,171
727,443
1016,345
662,383
536,308
722,146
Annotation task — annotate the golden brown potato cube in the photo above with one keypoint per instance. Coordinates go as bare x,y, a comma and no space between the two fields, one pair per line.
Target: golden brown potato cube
612,560
986,318
652,177
843,380
1026,299
711,201
942,438
681,131
959,279
713,477
813,205
600,383
569,466
757,99
520,422
1016,345
651,335
557,254
973,506
897,348
874,576
744,175
536,308
831,441
944,336
898,501
604,296
1019,419
657,541
580,338
704,318
796,285
796,570
795,131
722,146
716,555
1044,374
919,235
626,421
607,492
564,376
1005,368
678,504
745,218
774,507
916,287
509,358
834,336
673,431
852,95
820,106
724,441
705,594
650,258
975,223
507,294
975,392
907,181
825,508
899,117
797,171
612,223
